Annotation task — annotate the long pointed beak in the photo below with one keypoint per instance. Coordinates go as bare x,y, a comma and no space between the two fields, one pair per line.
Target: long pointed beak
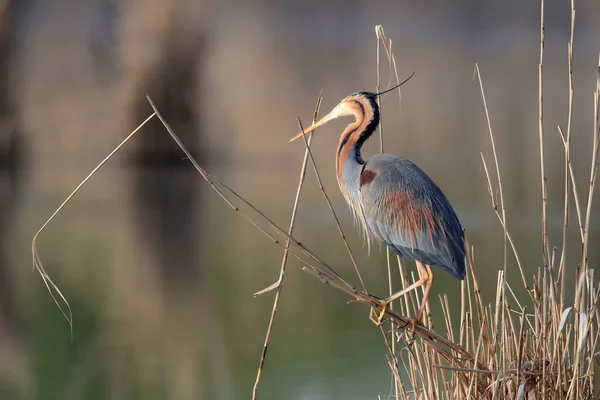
321,122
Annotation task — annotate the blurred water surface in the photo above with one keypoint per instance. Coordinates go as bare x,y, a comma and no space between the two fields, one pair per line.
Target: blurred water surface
160,273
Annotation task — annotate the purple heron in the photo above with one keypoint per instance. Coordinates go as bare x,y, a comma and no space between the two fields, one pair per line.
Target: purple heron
394,200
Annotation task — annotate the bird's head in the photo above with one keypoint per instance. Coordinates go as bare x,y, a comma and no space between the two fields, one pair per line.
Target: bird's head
346,107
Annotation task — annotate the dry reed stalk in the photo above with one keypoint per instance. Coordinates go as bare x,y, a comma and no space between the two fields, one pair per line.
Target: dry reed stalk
37,261
278,285
541,138
567,148
382,39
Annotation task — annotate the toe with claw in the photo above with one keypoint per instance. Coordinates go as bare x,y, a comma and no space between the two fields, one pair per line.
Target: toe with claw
376,315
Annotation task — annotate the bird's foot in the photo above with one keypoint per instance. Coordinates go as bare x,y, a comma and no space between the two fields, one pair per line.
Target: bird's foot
408,329
375,315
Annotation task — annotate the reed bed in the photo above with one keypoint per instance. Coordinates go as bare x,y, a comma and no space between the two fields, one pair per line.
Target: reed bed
539,345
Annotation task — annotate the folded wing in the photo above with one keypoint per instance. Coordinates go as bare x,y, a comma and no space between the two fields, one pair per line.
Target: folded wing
406,210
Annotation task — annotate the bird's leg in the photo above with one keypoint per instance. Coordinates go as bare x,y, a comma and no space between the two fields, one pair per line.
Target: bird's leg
423,277
428,285
428,275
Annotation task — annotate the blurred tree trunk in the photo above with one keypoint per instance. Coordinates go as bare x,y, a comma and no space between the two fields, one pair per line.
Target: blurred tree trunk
165,187
166,197
11,157
13,364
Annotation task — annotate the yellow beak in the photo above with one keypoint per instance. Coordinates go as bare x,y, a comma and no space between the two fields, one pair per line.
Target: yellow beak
332,115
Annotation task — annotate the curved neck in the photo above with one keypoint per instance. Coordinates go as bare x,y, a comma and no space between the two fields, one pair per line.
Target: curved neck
366,112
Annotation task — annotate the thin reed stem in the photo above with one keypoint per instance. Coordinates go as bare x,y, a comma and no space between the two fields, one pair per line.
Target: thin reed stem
37,261
545,251
567,146
279,283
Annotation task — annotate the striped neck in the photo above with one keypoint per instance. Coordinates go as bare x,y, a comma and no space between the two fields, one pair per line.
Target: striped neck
366,112
349,162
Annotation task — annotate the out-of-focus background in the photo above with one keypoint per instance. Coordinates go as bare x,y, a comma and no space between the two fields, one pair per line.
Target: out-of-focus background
159,272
